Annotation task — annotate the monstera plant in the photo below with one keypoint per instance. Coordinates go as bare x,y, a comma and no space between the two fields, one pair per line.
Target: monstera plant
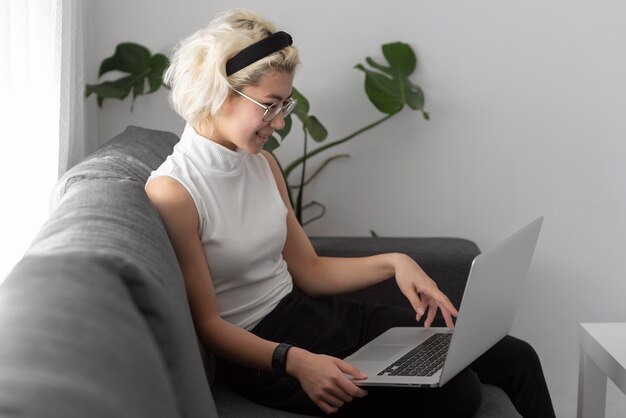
141,68
387,86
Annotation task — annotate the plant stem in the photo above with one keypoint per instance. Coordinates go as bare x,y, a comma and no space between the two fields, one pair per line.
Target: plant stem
302,176
300,160
320,168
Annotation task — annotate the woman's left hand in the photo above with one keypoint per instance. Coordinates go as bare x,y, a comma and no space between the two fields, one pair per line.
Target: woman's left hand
422,292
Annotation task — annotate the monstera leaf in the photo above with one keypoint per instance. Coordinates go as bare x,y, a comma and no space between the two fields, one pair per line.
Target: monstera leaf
389,88
141,68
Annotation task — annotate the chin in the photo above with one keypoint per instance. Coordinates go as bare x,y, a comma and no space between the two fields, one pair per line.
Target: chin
258,144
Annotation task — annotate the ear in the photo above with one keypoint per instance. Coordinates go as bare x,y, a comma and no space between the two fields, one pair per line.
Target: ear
229,104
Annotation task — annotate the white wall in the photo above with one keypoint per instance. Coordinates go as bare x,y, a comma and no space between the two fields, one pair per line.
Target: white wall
527,101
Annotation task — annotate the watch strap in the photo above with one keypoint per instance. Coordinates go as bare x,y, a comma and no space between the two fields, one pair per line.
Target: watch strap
279,358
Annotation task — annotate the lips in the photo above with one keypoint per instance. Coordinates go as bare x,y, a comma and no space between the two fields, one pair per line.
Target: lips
264,136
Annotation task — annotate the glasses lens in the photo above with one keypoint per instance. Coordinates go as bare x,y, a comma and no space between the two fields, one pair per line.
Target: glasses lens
289,107
276,108
272,111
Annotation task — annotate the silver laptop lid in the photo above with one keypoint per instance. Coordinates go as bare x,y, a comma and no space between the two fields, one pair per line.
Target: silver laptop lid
488,307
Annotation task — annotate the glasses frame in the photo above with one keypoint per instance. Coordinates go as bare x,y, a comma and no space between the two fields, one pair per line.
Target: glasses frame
285,109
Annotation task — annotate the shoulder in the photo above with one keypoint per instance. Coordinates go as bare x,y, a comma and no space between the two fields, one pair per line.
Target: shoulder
166,189
269,157
173,201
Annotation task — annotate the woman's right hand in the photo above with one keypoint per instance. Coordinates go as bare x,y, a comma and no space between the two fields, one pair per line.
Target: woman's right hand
325,378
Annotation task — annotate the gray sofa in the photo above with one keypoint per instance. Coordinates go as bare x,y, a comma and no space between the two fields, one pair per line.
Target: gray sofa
94,321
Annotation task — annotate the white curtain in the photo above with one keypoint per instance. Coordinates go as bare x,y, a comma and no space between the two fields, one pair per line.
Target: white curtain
72,147
41,113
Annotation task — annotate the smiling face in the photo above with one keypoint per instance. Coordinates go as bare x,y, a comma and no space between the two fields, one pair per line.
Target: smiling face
240,122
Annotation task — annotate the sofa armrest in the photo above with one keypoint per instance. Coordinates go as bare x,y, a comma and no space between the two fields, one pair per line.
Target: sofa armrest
446,260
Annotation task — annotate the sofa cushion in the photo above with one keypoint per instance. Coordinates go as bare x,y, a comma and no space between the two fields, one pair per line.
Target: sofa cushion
131,155
495,404
74,345
100,208
232,405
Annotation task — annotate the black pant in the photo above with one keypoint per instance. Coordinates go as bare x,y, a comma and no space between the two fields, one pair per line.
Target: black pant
338,326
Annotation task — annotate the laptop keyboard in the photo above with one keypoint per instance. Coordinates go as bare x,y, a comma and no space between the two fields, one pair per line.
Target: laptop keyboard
423,360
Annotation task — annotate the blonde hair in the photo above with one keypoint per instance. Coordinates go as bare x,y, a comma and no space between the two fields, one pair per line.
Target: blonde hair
197,72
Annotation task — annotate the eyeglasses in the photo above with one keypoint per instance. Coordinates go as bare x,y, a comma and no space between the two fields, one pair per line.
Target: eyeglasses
274,109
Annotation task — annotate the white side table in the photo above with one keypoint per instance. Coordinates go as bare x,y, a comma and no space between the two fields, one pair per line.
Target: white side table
602,355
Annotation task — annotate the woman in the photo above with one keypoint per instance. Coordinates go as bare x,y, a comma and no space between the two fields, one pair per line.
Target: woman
261,298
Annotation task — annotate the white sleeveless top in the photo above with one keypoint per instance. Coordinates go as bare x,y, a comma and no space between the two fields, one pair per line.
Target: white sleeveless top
243,224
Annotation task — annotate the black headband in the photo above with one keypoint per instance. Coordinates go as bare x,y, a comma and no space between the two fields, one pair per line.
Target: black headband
256,51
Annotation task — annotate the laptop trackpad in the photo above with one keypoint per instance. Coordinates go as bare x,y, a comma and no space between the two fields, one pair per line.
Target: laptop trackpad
378,352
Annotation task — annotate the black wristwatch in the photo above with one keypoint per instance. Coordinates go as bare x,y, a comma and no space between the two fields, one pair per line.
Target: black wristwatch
279,358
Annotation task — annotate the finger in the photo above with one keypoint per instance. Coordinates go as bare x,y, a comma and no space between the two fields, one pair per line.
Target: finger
442,301
349,369
432,311
346,385
447,317
335,395
416,303
350,389
334,401
426,302
445,303
329,409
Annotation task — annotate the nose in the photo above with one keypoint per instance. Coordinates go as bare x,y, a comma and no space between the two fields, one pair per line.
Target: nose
278,122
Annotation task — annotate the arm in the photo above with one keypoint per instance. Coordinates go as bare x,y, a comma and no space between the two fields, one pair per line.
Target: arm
330,275
180,218
322,377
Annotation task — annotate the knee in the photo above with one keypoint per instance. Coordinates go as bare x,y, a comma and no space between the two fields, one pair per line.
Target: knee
525,355
525,365
466,395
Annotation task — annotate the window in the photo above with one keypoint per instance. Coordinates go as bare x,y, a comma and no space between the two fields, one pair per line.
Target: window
33,114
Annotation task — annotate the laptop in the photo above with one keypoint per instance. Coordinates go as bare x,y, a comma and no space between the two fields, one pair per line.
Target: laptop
493,290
